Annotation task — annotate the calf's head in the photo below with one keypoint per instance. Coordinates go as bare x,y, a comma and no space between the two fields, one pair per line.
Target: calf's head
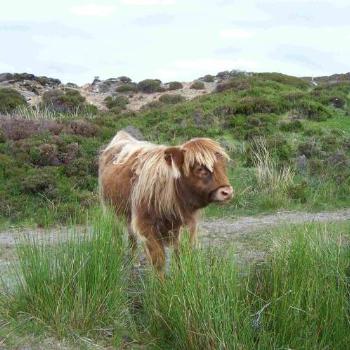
200,168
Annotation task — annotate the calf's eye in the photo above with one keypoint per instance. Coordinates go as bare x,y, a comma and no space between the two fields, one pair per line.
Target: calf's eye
202,171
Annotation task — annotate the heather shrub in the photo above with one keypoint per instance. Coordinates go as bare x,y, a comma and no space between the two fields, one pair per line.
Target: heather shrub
197,85
10,99
149,85
171,99
83,128
175,85
17,128
45,154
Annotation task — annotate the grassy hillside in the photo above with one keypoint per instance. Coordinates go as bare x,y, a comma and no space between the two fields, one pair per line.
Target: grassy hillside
289,143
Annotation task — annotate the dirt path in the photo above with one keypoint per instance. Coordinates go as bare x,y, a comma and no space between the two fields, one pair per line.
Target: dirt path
226,229
212,231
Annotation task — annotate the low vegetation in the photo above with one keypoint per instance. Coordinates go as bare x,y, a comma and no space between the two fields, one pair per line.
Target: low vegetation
116,103
127,87
304,129
171,98
83,289
175,85
10,99
66,101
197,85
149,85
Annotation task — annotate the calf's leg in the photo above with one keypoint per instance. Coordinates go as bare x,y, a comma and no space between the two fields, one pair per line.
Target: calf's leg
156,254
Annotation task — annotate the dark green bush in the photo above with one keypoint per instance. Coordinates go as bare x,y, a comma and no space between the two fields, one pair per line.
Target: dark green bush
279,148
10,99
237,84
294,96
124,79
171,99
175,85
298,191
78,167
149,85
197,85
152,105
248,127
128,87
116,101
65,101
310,148
291,126
209,78
284,79
256,104
39,181
312,110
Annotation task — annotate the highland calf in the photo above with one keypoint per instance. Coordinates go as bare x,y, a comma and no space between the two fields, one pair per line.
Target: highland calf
160,189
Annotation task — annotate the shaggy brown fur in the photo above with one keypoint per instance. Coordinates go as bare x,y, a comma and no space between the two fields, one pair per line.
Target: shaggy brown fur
159,189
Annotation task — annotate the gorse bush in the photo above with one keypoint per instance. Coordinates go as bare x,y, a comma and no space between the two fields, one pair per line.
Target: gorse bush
10,99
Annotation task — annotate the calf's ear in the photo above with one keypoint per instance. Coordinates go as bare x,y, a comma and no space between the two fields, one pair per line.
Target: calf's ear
174,156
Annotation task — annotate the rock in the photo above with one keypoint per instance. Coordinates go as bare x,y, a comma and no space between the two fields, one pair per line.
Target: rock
301,163
338,160
134,132
5,77
198,118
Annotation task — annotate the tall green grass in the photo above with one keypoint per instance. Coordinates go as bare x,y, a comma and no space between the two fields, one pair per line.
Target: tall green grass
74,288
298,298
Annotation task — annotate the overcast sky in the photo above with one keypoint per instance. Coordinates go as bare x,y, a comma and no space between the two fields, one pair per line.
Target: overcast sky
75,40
